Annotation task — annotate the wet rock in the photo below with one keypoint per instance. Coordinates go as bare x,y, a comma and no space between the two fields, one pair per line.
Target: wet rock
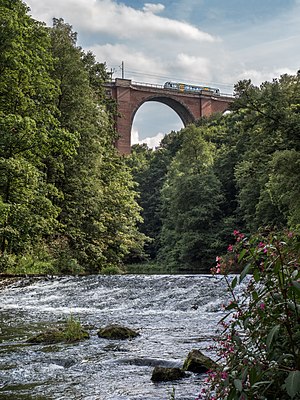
161,374
115,331
198,362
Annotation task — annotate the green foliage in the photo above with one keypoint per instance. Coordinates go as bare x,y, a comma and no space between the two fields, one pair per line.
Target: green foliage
147,267
70,332
172,394
191,198
73,331
61,180
27,123
261,338
99,211
149,170
268,120
111,270
37,260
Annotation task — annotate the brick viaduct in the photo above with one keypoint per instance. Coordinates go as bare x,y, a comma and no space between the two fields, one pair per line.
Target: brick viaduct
130,96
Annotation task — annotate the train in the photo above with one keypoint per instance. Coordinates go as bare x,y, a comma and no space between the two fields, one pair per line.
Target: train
184,87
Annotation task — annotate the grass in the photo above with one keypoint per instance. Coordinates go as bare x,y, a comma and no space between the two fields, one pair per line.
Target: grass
70,333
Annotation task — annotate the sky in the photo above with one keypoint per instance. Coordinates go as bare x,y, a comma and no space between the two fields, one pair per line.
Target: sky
211,42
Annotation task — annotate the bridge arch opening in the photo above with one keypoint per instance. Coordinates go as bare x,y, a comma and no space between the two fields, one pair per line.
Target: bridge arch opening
153,119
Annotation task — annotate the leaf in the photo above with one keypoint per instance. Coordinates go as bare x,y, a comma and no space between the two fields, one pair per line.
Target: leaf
233,283
241,255
271,335
245,272
255,295
277,266
296,285
256,275
238,384
231,394
245,374
231,306
292,383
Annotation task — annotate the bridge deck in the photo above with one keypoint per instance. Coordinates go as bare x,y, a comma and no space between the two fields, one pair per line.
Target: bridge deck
145,86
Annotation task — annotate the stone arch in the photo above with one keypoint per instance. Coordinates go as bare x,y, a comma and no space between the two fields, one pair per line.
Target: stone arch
180,109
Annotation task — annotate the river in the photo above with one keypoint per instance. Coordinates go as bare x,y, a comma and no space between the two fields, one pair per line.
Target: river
173,314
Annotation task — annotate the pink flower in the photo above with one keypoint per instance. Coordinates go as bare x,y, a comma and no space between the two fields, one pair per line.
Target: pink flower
262,306
224,375
236,232
230,247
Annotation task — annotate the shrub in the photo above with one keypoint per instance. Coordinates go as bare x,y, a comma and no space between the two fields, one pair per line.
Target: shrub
260,342
110,269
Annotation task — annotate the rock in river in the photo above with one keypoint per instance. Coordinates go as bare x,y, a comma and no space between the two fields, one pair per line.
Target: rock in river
118,332
198,362
160,374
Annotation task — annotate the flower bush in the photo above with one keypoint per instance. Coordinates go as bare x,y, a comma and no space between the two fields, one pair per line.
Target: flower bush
259,346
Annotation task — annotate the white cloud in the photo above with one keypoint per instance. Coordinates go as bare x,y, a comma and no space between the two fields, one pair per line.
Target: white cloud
259,76
136,59
152,142
158,47
193,66
117,19
153,8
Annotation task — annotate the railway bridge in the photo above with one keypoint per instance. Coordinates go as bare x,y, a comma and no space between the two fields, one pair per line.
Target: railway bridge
189,106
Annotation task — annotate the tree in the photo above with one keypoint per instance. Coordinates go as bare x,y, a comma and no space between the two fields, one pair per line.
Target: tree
269,122
27,126
99,211
191,205
149,170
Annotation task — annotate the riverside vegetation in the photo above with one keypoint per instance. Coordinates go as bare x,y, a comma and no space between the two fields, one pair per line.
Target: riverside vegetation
259,345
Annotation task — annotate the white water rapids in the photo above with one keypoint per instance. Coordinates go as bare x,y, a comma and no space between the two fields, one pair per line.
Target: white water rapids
173,314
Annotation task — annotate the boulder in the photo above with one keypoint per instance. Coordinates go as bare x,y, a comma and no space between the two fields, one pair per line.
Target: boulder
117,332
198,362
160,374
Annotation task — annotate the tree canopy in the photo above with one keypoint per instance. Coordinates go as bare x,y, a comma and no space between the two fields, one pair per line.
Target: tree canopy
67,199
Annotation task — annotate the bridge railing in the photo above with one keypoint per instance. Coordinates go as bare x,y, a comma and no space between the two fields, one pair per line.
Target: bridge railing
156,86
153,85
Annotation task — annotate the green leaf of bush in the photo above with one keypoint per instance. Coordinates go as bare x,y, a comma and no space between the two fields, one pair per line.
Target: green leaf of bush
238,384
234,282
296,285
241,255
245,272
273,332
292,383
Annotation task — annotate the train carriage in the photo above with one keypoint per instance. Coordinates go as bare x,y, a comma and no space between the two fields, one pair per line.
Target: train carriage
183,87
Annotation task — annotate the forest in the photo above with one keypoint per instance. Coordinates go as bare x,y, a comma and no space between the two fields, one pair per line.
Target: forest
70,204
